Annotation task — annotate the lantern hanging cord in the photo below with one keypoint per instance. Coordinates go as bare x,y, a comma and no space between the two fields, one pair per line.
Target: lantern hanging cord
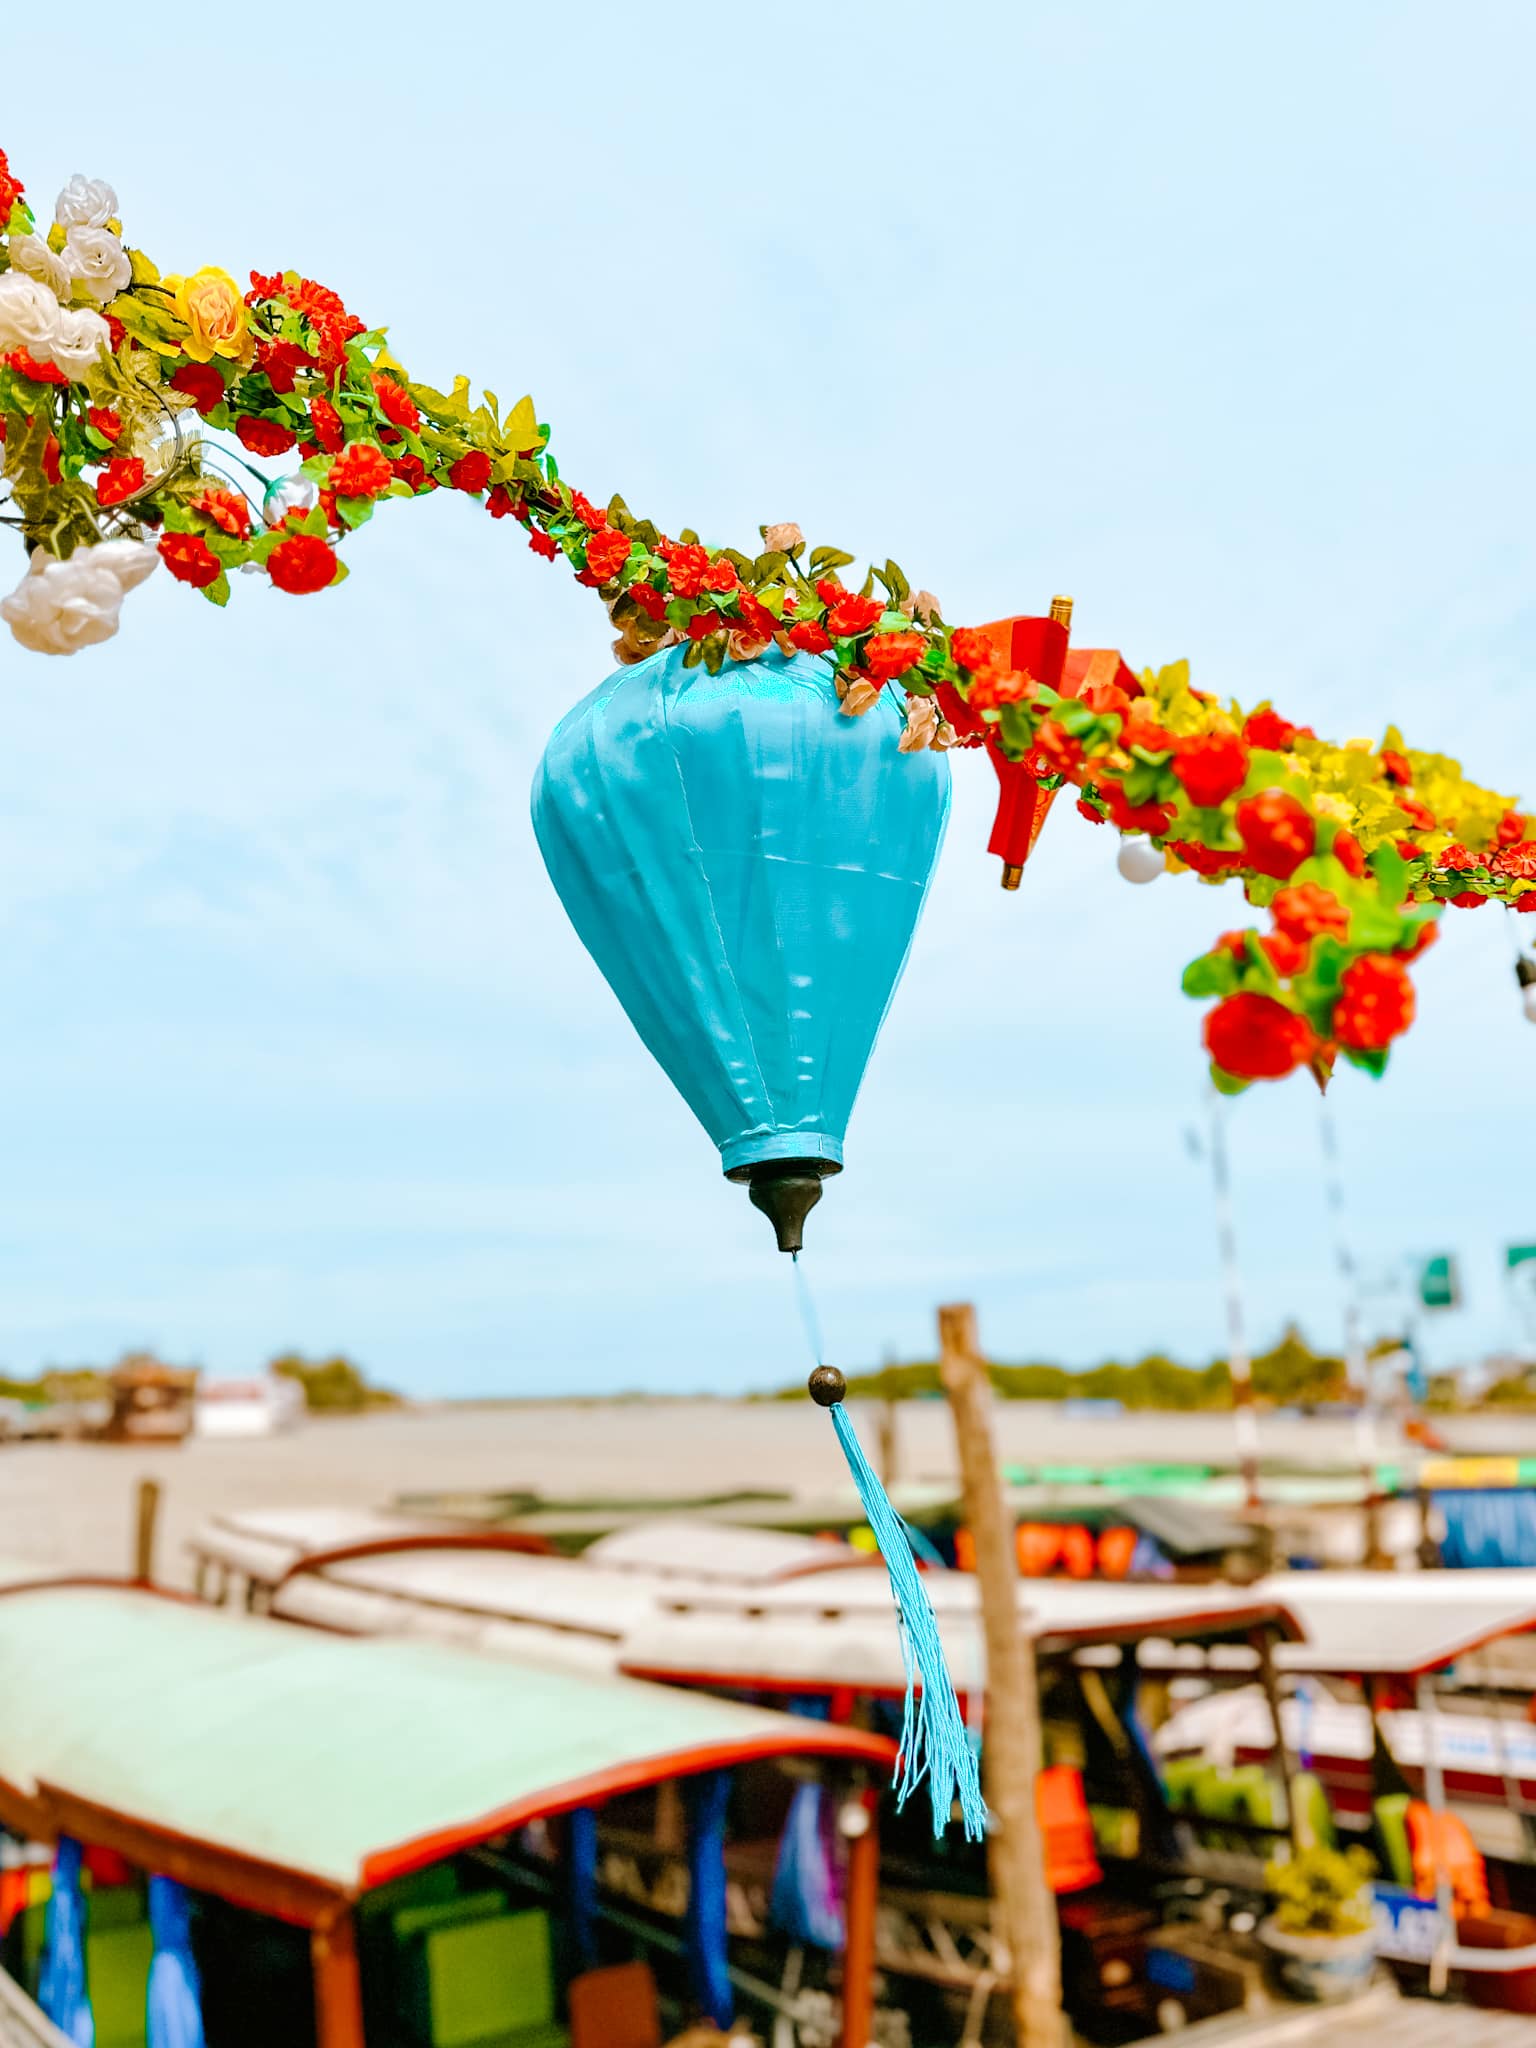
936,1745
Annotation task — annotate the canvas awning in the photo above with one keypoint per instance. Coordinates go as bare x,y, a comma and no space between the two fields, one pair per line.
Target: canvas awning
836,1630
302,1767
1398,1623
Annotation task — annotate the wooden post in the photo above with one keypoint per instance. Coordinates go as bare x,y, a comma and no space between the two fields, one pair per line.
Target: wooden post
1025,1908
146,1516
338,1984
859,1936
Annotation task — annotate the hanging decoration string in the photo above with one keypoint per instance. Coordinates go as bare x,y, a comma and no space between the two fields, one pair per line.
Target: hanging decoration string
936,1746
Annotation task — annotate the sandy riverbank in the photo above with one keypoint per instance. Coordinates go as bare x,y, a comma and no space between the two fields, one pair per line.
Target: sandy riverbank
70,1506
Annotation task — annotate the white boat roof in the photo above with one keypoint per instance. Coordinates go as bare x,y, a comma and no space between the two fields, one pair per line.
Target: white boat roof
686,1546
1398,1623
837,1629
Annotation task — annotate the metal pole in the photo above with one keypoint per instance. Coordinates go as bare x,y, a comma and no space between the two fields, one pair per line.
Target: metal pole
1239,1363
1434,1794
1356,1364
1023,1904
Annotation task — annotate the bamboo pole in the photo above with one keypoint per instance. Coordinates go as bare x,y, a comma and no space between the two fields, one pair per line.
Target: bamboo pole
1024,1907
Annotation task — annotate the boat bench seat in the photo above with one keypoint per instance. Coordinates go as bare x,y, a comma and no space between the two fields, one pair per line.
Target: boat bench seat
481,1982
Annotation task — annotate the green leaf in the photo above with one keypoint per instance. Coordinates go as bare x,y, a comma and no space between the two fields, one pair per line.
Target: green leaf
1391,872
355,511
217,592
824,560
1225,1083
1213,974
1374,1062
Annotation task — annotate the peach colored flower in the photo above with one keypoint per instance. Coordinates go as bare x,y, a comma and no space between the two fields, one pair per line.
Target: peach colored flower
922,724
778,540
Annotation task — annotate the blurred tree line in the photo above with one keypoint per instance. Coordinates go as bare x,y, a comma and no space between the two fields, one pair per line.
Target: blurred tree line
1291,1374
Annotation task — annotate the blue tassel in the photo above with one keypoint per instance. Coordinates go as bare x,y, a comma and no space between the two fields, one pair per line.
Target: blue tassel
935,1742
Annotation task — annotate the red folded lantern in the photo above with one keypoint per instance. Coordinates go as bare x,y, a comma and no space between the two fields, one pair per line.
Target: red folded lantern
1036,647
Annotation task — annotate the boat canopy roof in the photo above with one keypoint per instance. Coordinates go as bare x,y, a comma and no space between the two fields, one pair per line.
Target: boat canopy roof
689,1547
311,1767
1403,1624
835,1630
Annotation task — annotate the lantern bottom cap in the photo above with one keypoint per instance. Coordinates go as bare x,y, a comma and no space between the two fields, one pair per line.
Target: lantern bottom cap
787,1190
799,1151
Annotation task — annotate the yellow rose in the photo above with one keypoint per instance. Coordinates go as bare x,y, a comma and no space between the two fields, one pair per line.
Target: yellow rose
217,323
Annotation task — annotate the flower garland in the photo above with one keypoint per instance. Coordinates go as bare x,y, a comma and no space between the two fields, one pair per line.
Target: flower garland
105,364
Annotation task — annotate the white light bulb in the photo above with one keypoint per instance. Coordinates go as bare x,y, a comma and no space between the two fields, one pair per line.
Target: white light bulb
288,494
1139,860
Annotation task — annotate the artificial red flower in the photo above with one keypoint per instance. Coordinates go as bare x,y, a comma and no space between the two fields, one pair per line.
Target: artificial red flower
702,624
852,615
892,654
591,516
1306,911
326,422
1418,815
1511,829
227,509
361,471
106,420
607,552
1349,854
1424,936
1375,1003
543,544
1516,863
971,647
1396,767
1211,767
1461,858
1140,728
120,480
721,575
471,473
991,687
265,285
395,402
202,383
1527,902
412,470
190,559
302,564
498,504
650,600
282,362
332,333
1269,730
11,189
1104,698
51,459
686,567
313,299
28,366
1088,809
1153,819
756,616
264,437
1469,899
1257,1038
1287,955
1204,860
809,637
1061,754
1277,832
830,589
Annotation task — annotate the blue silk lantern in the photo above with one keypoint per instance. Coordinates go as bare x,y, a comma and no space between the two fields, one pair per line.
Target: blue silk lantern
747,867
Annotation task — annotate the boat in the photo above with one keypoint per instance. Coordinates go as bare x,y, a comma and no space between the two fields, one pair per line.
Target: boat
408,1844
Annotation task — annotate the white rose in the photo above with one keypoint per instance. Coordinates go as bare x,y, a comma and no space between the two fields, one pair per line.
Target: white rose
32,255
81,337
29,316
86,203
59,607
97,259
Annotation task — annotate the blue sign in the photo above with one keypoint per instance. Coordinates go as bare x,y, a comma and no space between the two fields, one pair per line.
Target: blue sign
1408,1929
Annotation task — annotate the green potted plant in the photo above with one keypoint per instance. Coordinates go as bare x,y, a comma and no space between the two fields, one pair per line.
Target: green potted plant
1322,1932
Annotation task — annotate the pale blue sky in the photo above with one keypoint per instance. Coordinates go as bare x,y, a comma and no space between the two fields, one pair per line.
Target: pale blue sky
1220,319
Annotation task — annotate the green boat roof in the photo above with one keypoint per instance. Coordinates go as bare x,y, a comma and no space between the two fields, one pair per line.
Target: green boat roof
345,1762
